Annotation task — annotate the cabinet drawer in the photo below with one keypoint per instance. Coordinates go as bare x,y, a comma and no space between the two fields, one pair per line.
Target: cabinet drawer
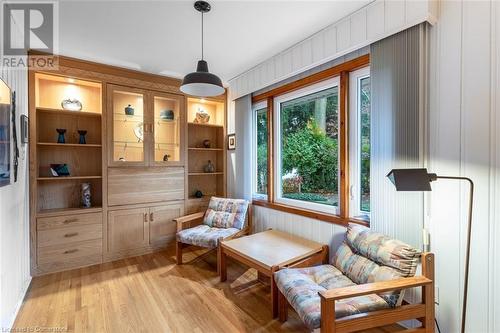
44,223
69,235
71,255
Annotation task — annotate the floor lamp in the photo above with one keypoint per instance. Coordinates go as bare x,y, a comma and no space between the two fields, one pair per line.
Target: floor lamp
420,180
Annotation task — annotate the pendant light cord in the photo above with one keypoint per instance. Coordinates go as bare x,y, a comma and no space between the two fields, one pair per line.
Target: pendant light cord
201,35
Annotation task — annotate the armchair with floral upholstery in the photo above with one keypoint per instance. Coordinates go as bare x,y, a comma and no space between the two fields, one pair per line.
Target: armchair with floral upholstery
363,287
224,219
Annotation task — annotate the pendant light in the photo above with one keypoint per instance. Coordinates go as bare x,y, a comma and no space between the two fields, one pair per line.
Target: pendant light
202,83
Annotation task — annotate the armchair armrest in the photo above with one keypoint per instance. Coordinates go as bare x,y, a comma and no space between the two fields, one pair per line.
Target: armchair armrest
374,288
189,221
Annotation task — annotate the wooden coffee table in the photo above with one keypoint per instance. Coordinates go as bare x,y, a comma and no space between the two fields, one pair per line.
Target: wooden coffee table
270,251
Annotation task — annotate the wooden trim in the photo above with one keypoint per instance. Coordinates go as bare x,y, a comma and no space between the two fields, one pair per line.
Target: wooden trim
344,144
377,318
428,291
270,149
350,65
301,211
331,218
374,287
91,66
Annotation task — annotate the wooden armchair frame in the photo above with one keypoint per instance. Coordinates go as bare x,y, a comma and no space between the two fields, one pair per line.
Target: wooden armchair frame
192,220
424,311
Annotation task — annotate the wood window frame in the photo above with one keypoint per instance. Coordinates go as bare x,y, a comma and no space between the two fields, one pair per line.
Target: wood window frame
341,71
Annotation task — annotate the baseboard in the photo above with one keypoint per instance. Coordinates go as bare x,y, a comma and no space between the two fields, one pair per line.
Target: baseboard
22,295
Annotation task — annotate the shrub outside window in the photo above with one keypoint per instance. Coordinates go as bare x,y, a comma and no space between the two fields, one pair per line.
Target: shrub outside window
360,143
307,147
260,150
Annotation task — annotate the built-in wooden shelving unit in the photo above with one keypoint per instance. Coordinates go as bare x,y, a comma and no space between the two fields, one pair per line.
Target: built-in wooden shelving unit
209,183
62,195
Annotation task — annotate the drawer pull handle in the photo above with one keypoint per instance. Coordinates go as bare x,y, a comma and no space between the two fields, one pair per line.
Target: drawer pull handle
73,234
70,221
151,217
70,251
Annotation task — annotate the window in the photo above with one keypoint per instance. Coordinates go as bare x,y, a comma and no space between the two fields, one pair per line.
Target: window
360,143
307,147
260,150
312,144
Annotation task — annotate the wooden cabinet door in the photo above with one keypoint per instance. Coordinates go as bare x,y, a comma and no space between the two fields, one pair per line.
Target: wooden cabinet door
128,127
167,128
127,229
162,228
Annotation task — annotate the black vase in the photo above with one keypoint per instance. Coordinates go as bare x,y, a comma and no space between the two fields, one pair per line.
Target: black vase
82,140
60,138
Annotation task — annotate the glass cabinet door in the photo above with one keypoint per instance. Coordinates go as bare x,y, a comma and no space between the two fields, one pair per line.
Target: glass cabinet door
128,121
167,129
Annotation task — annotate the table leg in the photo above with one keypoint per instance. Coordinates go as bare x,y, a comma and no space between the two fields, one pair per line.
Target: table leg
222,264
274,292
282,307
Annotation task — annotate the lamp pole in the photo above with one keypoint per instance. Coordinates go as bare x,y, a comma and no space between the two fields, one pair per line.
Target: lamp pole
467,251
419,180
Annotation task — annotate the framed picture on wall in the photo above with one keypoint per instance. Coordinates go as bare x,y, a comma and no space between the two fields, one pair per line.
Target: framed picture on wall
231,141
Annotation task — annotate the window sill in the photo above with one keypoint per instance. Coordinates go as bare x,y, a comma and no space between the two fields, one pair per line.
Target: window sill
335,219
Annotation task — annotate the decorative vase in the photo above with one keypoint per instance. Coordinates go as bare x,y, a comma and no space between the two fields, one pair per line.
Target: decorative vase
166,157
206,143
71,104
198,194
82,140
202,116
129,110
167,115
210,167
60,138
86,195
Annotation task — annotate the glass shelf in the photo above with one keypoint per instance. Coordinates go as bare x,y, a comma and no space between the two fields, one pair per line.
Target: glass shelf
128,128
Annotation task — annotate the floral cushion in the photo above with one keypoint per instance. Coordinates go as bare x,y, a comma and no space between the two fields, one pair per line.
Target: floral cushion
226,213
366,256
204,236
301,286
382,249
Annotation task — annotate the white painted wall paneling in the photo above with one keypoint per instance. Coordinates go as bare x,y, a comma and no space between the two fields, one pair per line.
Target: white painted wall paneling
373,22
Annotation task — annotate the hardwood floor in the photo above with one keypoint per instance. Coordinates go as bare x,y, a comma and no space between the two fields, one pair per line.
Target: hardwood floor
151,293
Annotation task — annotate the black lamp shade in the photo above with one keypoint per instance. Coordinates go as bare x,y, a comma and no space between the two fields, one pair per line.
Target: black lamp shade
202,83
411,179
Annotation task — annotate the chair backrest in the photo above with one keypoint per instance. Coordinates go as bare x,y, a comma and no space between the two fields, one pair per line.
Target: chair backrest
226,213
367,256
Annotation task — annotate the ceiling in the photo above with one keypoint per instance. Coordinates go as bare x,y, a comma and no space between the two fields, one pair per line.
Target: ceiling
163,37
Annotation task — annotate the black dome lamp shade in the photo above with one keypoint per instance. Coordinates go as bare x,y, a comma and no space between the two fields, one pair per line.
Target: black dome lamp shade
202,83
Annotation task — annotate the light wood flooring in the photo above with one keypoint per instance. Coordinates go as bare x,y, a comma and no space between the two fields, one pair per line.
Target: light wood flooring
151,293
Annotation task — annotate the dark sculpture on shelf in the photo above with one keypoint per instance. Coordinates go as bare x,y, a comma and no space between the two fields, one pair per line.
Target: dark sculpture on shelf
60,138
82,140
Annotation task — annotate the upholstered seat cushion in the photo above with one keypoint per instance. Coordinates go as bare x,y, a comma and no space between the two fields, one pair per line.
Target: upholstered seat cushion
300,286
204,236
226,213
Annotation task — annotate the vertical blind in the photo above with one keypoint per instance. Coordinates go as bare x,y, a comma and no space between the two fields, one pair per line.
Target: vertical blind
241,169
397,113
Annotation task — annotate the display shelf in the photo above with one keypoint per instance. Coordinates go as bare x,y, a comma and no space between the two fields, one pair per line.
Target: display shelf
205,149
205,173
66,112
68,178
68,211
52,144
205,125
